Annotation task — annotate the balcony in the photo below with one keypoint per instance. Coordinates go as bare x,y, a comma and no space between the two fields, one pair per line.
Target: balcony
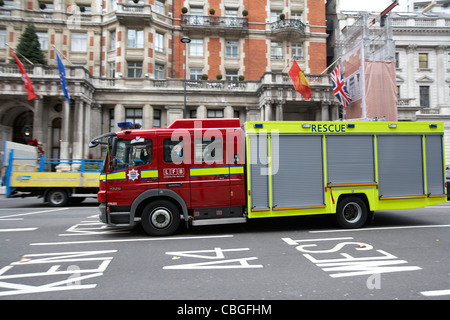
287,28
128,13
214,23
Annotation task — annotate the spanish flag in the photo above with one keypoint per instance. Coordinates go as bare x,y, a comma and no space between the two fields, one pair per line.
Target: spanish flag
299,80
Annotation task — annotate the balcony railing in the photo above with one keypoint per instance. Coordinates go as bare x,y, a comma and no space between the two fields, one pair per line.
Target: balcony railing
288,24
229,22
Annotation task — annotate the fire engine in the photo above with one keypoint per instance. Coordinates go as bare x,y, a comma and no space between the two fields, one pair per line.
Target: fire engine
214,171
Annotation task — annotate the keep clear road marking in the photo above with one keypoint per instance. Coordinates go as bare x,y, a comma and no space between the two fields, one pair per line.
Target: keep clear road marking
436,293
129,240
14,217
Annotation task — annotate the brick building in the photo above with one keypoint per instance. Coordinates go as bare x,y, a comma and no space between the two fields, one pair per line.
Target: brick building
125,61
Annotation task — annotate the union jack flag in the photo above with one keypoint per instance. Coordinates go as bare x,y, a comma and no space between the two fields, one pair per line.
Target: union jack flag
339,88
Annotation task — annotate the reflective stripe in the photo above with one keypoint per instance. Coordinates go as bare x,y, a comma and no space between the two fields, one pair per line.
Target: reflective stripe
121,175
237,170
200,172
153,173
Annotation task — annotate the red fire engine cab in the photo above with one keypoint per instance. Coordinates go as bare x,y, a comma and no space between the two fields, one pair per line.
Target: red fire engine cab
193,171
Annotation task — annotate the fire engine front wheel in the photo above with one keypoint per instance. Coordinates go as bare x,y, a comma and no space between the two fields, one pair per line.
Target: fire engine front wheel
351,213
160,218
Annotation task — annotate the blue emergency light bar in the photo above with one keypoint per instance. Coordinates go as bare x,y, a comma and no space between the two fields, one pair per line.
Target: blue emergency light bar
258,125
125,125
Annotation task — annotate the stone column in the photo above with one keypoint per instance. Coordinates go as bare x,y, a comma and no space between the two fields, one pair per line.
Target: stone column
410,74
119,115
65,147
228,112
78,130
147,116
38,119
201,112
279,111
267,111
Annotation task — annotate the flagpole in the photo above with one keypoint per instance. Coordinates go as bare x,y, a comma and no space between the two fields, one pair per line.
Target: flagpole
20,54
62,55
331,65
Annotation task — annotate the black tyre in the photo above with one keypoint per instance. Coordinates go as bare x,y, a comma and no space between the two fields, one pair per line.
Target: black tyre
57,198
160,218
351,213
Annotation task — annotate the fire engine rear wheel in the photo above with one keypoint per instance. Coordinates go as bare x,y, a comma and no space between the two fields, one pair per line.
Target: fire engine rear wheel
351,213
160,218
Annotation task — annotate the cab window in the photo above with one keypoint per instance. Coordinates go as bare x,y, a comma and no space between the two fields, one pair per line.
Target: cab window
173,150
209,150
133,153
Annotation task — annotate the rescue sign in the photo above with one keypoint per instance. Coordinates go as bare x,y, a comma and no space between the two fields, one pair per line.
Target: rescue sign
324,128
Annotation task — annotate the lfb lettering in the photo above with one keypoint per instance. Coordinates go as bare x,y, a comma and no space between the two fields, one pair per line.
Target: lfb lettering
324,128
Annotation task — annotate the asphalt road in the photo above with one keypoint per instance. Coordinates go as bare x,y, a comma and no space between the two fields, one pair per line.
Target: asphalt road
66,253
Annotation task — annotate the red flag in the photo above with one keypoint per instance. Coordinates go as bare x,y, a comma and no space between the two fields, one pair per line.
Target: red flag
25,79
299,80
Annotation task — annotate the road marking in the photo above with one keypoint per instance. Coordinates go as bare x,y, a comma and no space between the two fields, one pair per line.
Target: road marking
128,240
30,213
436,293
383,228
17,229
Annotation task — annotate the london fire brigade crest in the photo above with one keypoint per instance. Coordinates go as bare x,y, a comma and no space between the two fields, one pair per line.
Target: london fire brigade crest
133,174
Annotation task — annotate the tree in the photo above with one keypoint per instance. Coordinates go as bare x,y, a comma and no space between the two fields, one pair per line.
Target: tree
29,47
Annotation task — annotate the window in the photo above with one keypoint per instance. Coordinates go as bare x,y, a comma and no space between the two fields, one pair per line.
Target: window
196,16
208,150
43,40
112,40
397,58
112,5
231,49
274,16
129,155
79,42
231,75
448,60
297,51
231,17
424,96
215,114
156,118
112,124
2,38
173,150
134,70
296,15
276,50
193,114
159,42
111,69
135,38
133,115
159,7
159,72
423,60
195,73
196,48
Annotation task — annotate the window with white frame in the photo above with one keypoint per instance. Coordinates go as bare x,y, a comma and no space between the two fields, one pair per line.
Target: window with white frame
78,42
231,75
274,15
111,69
276,50
214,114
112,40
159,71
135,38
43,40
196,48
133,115
195,73
134,69
231,49
296,15
159,42
297,51
159,7
2,39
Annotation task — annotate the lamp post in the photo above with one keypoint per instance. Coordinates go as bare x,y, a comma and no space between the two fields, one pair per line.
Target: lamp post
185,40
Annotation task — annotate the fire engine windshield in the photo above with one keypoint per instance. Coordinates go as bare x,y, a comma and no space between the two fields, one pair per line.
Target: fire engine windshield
132,153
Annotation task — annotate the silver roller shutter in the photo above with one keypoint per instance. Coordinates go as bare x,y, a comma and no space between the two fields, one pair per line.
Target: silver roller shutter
435,164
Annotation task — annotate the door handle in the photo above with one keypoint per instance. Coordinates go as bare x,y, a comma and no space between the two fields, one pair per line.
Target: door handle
174,185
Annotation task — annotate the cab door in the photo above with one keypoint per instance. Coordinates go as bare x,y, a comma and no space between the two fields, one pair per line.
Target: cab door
210,175
173,164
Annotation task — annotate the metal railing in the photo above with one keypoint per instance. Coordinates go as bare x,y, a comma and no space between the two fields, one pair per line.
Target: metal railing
229,22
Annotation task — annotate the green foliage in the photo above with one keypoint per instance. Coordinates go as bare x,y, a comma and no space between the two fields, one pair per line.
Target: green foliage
29,47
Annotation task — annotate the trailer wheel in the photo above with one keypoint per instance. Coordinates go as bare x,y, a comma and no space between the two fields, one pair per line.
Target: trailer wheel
57,198
351,213
160,218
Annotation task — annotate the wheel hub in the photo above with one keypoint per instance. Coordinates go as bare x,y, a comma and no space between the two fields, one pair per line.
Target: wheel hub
160,218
